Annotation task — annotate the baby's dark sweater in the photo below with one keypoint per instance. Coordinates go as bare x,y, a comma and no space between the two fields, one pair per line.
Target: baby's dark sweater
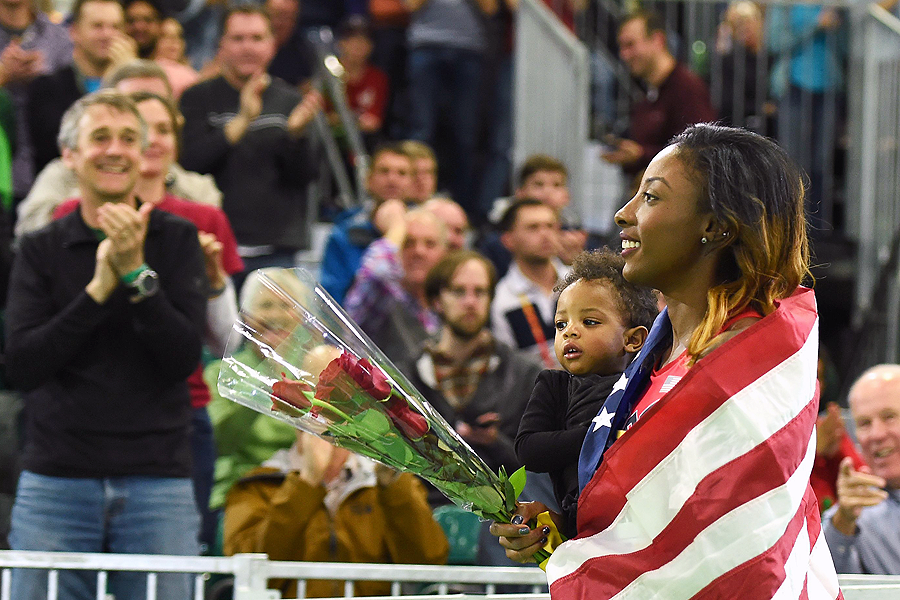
553,428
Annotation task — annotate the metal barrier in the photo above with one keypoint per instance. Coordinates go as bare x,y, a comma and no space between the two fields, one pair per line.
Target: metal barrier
551,94
252,571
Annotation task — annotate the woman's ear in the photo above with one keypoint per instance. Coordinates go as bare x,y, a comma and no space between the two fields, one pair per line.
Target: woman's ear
635,338
716,234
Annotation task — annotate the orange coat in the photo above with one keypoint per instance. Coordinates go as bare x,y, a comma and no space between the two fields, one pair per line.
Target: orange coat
282,515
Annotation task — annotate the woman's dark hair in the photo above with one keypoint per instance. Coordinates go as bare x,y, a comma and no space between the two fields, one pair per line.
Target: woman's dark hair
755,191
636,304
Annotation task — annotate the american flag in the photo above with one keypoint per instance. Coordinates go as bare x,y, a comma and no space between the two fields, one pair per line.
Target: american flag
707,496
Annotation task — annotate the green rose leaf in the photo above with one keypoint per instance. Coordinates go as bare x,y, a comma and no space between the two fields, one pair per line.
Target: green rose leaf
518,480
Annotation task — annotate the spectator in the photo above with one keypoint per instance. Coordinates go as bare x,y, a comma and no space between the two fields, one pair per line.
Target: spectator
143,22
169,55
390,178
316,502
544,178
366,85
295,59
30,45
102,345
221,260
447,40
425,170
170,45
809,44
390,18
248,130
863,528
675,97
388,298
740,46
477,382
454,219
244,437
98,35
495,177
522,314
57,182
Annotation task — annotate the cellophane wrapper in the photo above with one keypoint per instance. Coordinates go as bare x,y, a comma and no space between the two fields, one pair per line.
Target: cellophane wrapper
296,356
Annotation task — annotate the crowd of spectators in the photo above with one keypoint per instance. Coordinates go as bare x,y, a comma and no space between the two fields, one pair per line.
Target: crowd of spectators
153,168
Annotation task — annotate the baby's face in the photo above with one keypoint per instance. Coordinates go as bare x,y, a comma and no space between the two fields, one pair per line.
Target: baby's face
590,333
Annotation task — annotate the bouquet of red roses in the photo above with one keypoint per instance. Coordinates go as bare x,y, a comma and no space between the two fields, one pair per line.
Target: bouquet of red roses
298,357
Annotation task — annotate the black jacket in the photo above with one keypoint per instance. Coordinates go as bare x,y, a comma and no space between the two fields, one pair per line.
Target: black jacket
264,176
49,96
553,427
105,385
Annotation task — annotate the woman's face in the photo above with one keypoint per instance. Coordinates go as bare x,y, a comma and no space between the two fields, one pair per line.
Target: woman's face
162,145
662,227
170,44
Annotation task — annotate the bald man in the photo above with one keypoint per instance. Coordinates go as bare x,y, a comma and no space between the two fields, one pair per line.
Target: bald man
863,528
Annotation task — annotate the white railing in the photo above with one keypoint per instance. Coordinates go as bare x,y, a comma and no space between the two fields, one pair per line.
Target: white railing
252,571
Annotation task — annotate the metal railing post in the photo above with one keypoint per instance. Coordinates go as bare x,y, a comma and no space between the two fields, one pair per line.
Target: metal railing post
250,576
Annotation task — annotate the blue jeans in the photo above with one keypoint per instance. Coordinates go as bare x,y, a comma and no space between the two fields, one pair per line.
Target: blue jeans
127,515
495,182
451,77
203,447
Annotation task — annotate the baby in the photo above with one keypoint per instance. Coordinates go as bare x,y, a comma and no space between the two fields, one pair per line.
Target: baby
601,323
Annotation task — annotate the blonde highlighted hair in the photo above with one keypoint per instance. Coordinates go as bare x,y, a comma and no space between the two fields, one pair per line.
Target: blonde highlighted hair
756,193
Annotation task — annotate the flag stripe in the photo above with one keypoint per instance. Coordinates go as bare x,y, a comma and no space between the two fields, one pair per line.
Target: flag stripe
759,579
668,422
748,529
758,412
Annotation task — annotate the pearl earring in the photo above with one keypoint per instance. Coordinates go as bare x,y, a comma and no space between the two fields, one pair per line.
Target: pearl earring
703,240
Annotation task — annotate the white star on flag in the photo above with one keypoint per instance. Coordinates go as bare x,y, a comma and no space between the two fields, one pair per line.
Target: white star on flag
620,384
604,419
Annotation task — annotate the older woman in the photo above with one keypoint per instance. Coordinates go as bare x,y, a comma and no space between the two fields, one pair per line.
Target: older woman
695,476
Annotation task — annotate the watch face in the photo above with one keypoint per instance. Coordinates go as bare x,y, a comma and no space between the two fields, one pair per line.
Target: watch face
147,283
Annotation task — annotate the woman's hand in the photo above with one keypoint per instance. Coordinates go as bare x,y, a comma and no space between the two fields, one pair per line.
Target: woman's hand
520,540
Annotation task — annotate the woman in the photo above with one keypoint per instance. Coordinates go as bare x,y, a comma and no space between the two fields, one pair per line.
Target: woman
694,477
220,252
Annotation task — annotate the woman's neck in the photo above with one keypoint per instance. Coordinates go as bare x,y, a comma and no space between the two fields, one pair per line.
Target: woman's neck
685,317
150,190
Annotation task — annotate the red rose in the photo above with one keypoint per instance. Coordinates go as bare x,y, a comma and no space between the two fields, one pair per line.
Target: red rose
333,388
291,392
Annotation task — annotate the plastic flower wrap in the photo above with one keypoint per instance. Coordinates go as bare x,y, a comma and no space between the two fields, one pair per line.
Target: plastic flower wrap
298,357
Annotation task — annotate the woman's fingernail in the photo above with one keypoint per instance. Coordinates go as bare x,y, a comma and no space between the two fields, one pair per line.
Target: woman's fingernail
543,541
546,531
517,520
524,531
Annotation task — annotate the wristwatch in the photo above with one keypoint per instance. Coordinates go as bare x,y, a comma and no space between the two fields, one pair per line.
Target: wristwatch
145,284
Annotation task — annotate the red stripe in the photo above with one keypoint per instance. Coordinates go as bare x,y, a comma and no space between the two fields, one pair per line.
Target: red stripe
715,378
761,577
756,472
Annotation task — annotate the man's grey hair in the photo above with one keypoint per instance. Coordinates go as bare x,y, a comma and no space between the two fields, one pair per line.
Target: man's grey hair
70,127
139,68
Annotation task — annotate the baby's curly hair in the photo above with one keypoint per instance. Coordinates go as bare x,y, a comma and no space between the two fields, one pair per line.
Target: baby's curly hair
637,304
